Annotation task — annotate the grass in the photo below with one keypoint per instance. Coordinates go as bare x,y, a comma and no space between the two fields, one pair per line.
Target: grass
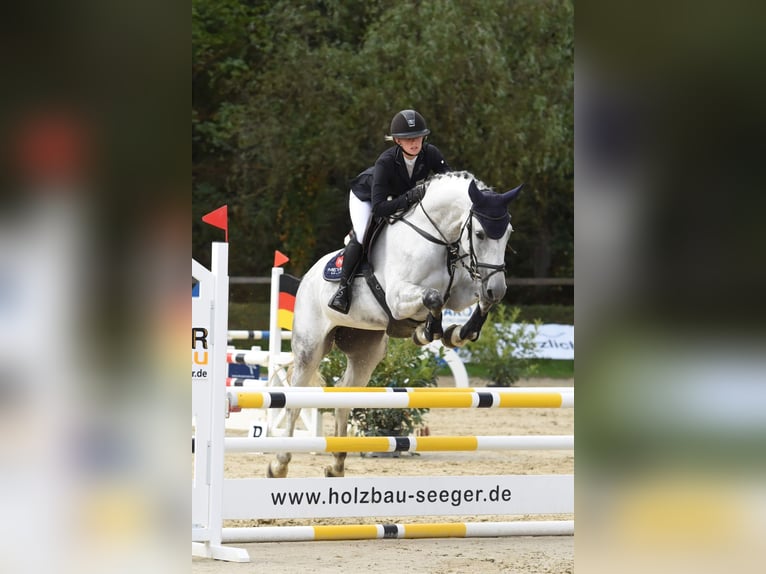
544,368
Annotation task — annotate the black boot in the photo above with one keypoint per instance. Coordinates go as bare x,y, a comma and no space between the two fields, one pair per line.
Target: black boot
341,301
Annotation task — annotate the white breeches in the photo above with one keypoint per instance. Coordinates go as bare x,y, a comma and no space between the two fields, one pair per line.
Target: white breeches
360,212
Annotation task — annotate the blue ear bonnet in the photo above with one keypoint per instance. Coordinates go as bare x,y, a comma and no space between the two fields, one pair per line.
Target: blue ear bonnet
494,222
491,209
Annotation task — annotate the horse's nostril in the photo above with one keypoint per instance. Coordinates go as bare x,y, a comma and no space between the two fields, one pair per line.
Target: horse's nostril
489,292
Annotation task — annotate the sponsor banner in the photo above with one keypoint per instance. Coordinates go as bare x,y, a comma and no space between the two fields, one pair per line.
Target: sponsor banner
554,341
201,341
450,317
398,496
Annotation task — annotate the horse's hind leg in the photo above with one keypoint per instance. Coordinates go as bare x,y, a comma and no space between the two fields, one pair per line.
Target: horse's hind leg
278,467
307,356
364,350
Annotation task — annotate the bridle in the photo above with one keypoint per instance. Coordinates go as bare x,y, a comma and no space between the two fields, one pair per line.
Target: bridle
454,257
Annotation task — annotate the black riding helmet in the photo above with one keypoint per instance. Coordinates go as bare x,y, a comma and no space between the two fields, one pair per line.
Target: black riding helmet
408,124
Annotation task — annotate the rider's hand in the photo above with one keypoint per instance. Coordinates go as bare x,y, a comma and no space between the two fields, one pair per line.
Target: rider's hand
415,194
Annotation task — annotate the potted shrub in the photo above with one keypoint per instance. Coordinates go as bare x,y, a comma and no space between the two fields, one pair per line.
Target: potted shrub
405,365
505,347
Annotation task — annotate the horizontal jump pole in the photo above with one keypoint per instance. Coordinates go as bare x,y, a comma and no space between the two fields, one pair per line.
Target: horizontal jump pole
511,390
398,444
259,358
245,382
255,335
399,531
251,382
447,400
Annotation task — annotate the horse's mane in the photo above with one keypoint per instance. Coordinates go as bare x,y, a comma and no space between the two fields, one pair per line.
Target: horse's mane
466,175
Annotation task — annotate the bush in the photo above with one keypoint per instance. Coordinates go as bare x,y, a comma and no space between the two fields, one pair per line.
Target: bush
405,365
506,351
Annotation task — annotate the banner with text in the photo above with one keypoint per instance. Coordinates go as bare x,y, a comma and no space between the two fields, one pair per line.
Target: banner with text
554,341
398,496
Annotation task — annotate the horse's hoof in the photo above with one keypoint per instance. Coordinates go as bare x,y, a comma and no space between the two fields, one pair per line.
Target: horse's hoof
447,338
418,341
270,473
452,337
329,472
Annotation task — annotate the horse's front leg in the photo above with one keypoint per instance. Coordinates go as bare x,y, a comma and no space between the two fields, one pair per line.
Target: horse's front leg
454,337
432,328
406,300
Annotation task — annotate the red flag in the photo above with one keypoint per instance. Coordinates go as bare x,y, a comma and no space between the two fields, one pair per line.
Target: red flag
219,218
280,258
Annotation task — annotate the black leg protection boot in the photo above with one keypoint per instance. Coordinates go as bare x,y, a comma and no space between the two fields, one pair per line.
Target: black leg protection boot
341,301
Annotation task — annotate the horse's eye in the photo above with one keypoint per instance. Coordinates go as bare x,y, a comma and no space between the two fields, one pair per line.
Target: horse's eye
481,235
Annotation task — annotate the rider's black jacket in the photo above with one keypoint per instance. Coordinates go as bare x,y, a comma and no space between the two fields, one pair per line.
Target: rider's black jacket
389,178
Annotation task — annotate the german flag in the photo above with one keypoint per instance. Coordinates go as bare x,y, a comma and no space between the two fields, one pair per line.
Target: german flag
288,287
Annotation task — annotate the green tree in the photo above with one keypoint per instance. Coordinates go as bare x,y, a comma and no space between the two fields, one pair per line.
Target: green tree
498,79
292,100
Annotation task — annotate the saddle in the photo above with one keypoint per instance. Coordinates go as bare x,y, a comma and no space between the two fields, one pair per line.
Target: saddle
401,328
332,270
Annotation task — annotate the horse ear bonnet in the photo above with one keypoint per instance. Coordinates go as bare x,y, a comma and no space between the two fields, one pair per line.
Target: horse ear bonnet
491,209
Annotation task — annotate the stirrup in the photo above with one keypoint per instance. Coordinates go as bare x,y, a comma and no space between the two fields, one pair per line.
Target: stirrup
341,302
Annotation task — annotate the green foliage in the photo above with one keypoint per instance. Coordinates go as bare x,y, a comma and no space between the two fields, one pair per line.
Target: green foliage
247,316
405,365
291,100
554,368
505,351
541,368
561,314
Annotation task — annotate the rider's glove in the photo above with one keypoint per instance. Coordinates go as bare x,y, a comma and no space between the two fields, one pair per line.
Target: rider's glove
415,195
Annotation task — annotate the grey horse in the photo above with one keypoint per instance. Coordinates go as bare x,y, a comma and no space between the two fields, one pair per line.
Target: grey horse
447,252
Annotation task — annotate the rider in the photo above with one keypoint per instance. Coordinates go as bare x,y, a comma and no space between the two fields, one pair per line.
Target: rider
387,187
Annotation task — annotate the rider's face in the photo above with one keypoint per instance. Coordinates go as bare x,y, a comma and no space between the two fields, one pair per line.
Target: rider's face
410,146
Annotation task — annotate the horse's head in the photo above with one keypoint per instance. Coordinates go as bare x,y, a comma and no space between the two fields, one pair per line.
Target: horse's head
487,240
